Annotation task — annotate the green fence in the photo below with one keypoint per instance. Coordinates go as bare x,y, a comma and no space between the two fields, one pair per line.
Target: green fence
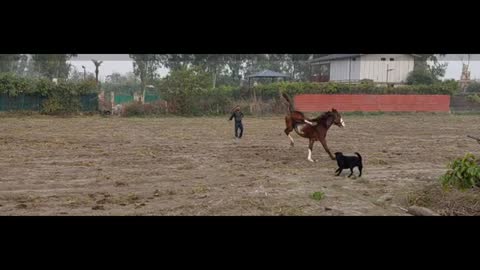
120,99
34,103
89,103
151,98
21,103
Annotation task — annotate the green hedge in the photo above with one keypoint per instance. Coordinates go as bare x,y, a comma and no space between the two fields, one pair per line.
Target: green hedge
195,89
13,85
295,88
61,97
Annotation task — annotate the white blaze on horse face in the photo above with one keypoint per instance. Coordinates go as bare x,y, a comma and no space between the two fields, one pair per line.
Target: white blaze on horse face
310,155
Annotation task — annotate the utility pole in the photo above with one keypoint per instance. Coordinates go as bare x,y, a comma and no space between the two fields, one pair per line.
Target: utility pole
388,70
84,73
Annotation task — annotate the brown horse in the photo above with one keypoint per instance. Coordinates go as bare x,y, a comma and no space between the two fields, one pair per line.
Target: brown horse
312,129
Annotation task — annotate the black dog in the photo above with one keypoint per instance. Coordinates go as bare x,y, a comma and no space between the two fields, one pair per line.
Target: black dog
348,162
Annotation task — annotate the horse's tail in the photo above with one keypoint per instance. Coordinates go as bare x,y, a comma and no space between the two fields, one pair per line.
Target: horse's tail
360,157
290,106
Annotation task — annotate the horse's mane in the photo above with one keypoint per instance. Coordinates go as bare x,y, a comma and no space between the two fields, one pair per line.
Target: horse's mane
323,117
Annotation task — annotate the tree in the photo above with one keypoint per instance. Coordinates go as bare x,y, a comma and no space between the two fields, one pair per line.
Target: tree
230,68
97,65
114,77
23,65
145,67
11,62
183,86
421,76
428,63
78,76
52,65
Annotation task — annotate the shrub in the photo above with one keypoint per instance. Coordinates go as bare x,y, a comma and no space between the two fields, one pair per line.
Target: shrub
463,173
421,76
136,108
183,87
64,97
473,87
474,98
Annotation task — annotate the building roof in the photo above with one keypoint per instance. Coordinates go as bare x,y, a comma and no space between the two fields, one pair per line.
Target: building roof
334,57
267,74
341,56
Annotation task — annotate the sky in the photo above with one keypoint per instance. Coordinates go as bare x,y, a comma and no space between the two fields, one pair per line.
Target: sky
122,64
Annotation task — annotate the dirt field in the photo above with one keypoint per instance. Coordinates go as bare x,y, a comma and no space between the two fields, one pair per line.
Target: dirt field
193,166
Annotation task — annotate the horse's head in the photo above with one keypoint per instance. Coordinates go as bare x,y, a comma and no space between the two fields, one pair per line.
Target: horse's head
337,118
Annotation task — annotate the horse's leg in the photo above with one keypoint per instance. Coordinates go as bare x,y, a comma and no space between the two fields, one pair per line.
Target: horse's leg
310,148
289,123
325,146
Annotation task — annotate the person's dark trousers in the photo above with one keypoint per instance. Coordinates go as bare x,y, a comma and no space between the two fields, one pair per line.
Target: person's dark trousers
238,125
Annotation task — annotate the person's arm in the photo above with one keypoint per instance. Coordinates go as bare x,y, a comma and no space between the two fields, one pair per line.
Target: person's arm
231,116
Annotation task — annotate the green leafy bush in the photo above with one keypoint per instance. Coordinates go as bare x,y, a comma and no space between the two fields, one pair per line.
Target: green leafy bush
184,87
63,97
474,98
463,173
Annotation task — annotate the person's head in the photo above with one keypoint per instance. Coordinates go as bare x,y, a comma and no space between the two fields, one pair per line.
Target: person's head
237,109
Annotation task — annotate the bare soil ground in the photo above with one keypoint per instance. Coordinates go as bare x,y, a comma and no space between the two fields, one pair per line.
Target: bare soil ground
193,166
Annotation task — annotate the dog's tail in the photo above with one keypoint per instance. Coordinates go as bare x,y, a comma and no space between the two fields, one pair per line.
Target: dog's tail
290,105
360,157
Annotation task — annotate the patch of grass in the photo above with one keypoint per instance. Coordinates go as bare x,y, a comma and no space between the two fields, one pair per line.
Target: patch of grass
131,198
446,203
318,195
461,113
185,167
199,190
363,181
289,211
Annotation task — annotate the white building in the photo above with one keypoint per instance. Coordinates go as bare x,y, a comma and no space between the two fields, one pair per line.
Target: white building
381,68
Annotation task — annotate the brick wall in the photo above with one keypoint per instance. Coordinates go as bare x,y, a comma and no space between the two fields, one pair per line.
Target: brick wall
370,103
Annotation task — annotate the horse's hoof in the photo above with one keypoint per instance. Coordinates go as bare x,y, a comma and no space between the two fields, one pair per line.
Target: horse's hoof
311,160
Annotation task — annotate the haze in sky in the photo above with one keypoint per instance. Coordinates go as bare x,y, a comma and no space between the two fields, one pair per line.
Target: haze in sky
122,64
